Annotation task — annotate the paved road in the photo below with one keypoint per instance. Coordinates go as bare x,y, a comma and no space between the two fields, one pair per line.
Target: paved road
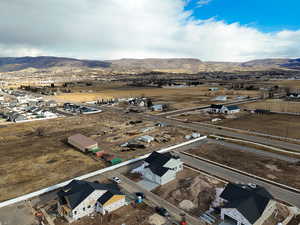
131,186
278,193
210,130
255,151
215,131
175,112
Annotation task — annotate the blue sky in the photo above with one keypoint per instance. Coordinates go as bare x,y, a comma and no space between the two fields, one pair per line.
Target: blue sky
265,15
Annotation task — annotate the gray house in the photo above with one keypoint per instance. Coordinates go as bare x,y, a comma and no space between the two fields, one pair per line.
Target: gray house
247,204
161,168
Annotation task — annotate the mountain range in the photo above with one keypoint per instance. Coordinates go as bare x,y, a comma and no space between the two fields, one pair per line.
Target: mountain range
184,65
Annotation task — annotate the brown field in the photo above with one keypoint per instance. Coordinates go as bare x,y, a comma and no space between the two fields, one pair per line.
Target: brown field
294,84
273,124
30,161
276,105
176,97
273,169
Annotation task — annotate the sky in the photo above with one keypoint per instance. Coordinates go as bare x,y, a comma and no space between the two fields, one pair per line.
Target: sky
211,30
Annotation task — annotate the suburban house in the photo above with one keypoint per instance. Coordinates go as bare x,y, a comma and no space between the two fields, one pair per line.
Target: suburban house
82,142
217,108
161,168
159,107
247,204
81,198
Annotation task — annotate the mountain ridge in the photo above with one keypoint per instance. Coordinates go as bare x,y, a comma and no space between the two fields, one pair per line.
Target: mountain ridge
190,65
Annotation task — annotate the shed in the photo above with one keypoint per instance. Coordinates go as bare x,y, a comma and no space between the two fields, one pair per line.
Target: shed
82,142
146,138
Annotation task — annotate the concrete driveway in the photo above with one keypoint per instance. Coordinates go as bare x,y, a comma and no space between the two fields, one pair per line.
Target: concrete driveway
148,185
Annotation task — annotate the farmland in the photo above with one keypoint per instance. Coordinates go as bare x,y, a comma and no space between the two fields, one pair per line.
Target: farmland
35,155
176,97
273,124
276,105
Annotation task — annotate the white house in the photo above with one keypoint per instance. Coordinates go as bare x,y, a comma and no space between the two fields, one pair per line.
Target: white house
216,108
247,204
161,168
81,198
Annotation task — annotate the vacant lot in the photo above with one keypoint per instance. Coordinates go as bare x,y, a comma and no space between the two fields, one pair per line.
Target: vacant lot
273,169
274,124
35,155
191,191
176,97
276,105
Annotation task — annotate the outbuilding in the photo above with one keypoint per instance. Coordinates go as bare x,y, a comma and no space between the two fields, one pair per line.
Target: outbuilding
82,142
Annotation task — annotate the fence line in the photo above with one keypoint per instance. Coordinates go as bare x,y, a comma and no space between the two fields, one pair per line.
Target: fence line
92,174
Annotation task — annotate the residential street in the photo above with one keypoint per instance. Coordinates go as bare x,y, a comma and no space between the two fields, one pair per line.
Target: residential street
131,186
226,174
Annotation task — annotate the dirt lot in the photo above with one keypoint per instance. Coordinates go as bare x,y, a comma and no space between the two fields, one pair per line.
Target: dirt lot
35,155
276,105
274,124
191,191
273,169
130,215
176,97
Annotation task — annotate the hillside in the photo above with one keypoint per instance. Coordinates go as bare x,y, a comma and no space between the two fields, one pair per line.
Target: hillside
178,65
44,62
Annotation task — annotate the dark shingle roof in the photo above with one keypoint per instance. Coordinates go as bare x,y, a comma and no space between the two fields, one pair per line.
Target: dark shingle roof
250,202
214,106
160,170
76,191
157,161
232,107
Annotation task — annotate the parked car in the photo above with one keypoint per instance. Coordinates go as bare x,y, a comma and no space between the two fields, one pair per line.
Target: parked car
162,211
116,179
140,194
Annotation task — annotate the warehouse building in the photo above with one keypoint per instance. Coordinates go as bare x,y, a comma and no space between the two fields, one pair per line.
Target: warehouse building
82,142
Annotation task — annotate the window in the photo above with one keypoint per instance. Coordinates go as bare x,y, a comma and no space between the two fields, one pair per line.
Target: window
83,209
75,212
89,206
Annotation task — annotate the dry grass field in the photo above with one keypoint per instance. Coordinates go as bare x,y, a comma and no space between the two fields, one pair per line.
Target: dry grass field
176,97
273,169
276,105
35,155
274,124
294,84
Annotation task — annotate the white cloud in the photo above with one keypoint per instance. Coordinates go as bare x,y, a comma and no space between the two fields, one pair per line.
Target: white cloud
109,29
202,3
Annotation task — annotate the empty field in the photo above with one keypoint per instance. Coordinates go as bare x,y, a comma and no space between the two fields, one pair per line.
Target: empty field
276,105
273,124
35,155
270,168
176,97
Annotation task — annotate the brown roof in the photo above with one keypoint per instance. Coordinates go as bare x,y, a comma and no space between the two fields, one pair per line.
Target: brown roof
82,140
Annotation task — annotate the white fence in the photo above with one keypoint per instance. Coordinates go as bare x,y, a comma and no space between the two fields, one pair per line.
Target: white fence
92,174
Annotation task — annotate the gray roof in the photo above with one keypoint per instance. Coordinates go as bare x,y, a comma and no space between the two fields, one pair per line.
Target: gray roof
250,202
232,107
76,191
157,161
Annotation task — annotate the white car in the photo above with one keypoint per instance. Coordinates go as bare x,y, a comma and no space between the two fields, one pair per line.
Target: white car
116,179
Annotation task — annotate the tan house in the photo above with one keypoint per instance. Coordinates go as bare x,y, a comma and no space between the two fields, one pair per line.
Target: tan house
82,142
82,198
